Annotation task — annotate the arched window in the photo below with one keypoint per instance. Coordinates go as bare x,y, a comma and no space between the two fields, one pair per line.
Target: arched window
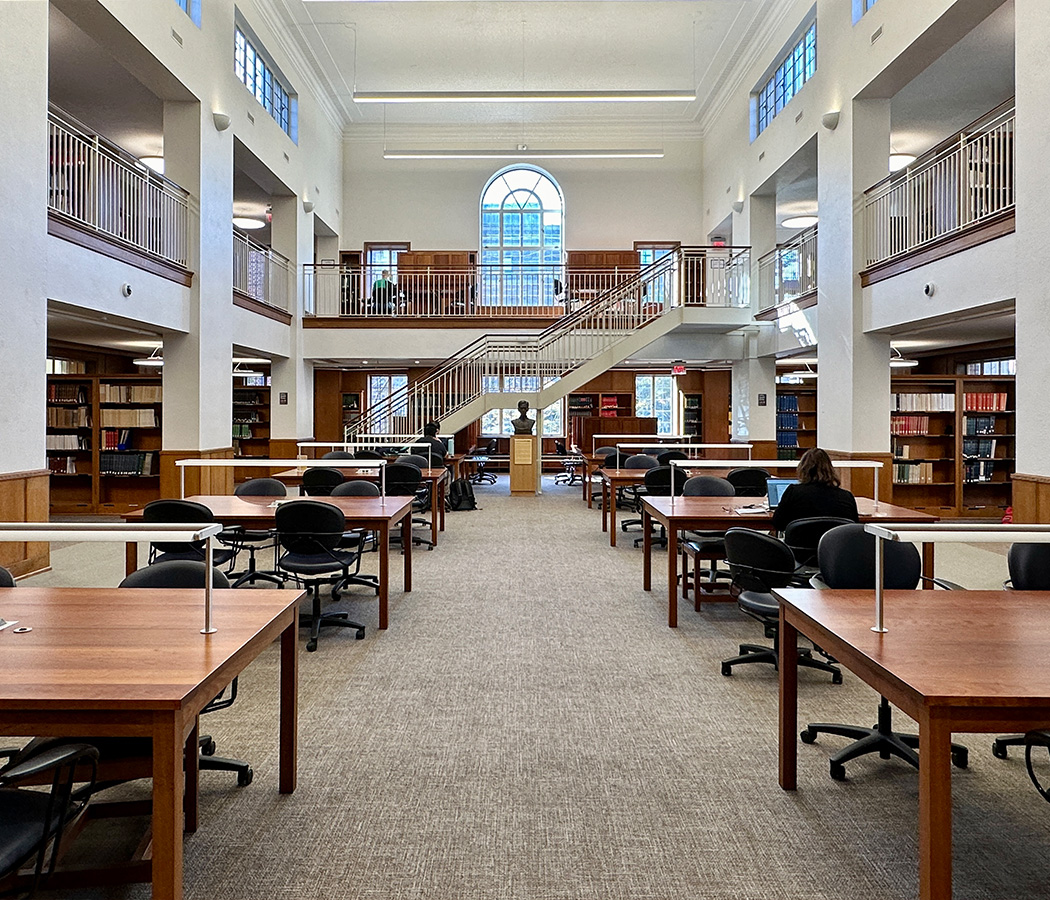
522,221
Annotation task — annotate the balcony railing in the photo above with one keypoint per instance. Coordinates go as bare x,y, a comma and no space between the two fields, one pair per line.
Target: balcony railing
102,187
957,185
261,273
790,272
712,276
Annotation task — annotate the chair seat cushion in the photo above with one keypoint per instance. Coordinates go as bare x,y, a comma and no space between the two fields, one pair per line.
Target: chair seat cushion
219,556
314,564
704,545
759,603
22,815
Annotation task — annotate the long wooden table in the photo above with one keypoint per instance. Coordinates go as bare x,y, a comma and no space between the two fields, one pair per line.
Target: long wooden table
955,661
437,478
377,514
100,661
719,513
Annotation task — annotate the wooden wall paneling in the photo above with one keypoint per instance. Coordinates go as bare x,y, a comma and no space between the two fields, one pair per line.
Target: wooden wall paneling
198,481
716,388
24,497
328,411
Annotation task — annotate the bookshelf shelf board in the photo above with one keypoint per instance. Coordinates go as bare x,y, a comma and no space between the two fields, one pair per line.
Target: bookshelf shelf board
988,412
922,459
71,475
924,484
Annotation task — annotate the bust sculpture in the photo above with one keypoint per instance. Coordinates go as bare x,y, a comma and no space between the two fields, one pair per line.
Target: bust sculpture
523,424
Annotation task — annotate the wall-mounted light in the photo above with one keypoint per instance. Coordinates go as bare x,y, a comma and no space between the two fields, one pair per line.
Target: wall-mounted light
247,224
800,222
221,120
156,163
830,120
154,360
899,362
738,206
900,161
238,372
308,206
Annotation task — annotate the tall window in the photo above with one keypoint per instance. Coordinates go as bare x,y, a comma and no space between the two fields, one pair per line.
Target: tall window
259,75
522,221
497,422
192,8
794,70
860,7
381,258
379,388
655,397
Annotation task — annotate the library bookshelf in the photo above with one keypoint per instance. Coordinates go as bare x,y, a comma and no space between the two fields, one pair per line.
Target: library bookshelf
796,419
251,423
603,404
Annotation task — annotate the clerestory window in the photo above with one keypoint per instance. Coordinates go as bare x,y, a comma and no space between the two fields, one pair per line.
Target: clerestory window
792,72
256,71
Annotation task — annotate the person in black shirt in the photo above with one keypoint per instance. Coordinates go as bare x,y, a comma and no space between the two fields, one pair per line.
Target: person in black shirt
438,449
817,493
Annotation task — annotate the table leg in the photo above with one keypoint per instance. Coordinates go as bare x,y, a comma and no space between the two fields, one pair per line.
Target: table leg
434,516
612,516
672,576
788,704
588,493
441,505
167,806
191,796
647,550
935,808
131,557
605,505
927,565
384,568
406,539
289,726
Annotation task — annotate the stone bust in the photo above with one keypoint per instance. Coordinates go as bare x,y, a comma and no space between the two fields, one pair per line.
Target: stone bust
523,424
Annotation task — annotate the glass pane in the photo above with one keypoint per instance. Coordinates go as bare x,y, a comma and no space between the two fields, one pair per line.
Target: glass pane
490,230
530,223
512,229
643,395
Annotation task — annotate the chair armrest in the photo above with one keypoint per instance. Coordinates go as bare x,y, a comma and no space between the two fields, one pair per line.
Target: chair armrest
944,584
817,582
52,758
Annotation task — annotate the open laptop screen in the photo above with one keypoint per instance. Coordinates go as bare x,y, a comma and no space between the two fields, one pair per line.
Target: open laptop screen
776,487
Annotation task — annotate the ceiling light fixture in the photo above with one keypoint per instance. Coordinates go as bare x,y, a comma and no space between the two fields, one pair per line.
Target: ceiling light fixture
899,362
799,221
524,96
524,154
900,161
156,163
247,224
809,373
798,361
248,360
154,359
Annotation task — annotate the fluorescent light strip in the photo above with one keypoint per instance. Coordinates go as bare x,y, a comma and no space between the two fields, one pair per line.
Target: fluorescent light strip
525,97
524,154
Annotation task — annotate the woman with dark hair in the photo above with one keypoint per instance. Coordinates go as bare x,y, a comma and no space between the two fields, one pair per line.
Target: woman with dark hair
817,493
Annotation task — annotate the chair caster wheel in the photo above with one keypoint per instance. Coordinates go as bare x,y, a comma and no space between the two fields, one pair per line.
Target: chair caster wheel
245,778
838,771
311,646
336,596
727,670
999,750
960,758
836,678
208,748
807,736
360,634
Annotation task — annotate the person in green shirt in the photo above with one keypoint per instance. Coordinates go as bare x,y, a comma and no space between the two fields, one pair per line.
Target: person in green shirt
384,294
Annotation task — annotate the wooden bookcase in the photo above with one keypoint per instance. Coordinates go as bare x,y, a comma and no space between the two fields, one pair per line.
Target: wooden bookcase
251,421
796,419
596,404
351,406
693,415
114,423
986,444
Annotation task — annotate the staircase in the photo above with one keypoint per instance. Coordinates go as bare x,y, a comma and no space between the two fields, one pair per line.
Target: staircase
498,370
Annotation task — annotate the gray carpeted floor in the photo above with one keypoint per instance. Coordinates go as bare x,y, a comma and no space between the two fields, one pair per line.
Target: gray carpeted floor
530,729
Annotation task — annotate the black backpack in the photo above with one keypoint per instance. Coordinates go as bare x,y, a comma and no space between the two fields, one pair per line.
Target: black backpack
461,495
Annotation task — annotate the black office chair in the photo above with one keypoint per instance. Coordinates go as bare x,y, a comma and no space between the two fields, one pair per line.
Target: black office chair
630,495
664,459
570,465
253,541
404,480
414,459
358,538
190,574
708,546
846,558
6,578
368,454
32,819
748,482
338,454
758,563
658,483
310,532
803,536
188,512
318,481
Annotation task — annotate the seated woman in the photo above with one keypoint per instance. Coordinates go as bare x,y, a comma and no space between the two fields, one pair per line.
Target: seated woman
817,493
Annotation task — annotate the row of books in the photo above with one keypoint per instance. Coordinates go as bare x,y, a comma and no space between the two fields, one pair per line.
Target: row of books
924,402
129,418
909,425
68,442
241,431
985,401
243,416
62,465
608,413
610,401
979,425
787,452
135,463
787,403
57,392
114,439
74,417
975,471
787,420
979,448
787,438
913,473
247,398
129,393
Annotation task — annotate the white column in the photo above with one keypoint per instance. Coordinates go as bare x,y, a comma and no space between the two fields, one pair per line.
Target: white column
198,392
853,390
1032,329
754,381
23,224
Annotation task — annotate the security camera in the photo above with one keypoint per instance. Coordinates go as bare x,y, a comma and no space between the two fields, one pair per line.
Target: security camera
125,289
929,289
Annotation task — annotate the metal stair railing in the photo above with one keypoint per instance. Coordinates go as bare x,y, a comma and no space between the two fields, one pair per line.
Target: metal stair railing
688,276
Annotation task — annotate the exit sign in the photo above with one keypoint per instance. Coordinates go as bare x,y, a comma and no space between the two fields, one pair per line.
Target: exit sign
677,370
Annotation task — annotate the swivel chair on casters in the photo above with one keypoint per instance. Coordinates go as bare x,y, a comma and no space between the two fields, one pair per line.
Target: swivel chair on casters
481,475
253,541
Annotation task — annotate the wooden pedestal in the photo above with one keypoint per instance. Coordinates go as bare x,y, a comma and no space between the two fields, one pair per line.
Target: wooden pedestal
524,463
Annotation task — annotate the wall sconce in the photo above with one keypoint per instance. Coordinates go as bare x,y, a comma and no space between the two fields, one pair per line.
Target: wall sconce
738,206
830,120
308,206
221,120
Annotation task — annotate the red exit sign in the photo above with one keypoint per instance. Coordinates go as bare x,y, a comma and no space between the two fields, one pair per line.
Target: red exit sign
677,370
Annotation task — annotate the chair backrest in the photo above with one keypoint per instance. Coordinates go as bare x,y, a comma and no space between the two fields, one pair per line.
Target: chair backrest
604,451
180,573
658,481
846,558
803,536
757,561
615,460
6,578
413,459
402,479
560,448
183,512
640,461
368,454
664,459
310,527
261,487
356,488
492,446
707,486
1029,566
338,454
748,482
319,481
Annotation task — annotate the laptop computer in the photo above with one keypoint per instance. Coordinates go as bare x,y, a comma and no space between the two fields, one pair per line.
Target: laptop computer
775,488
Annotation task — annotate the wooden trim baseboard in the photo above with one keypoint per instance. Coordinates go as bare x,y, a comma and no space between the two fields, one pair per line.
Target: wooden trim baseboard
76,233
995,227
263,309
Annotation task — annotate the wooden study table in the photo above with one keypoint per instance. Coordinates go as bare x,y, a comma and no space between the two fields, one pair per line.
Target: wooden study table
107,662
612,481
719,514
437,479
955,661
377,514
